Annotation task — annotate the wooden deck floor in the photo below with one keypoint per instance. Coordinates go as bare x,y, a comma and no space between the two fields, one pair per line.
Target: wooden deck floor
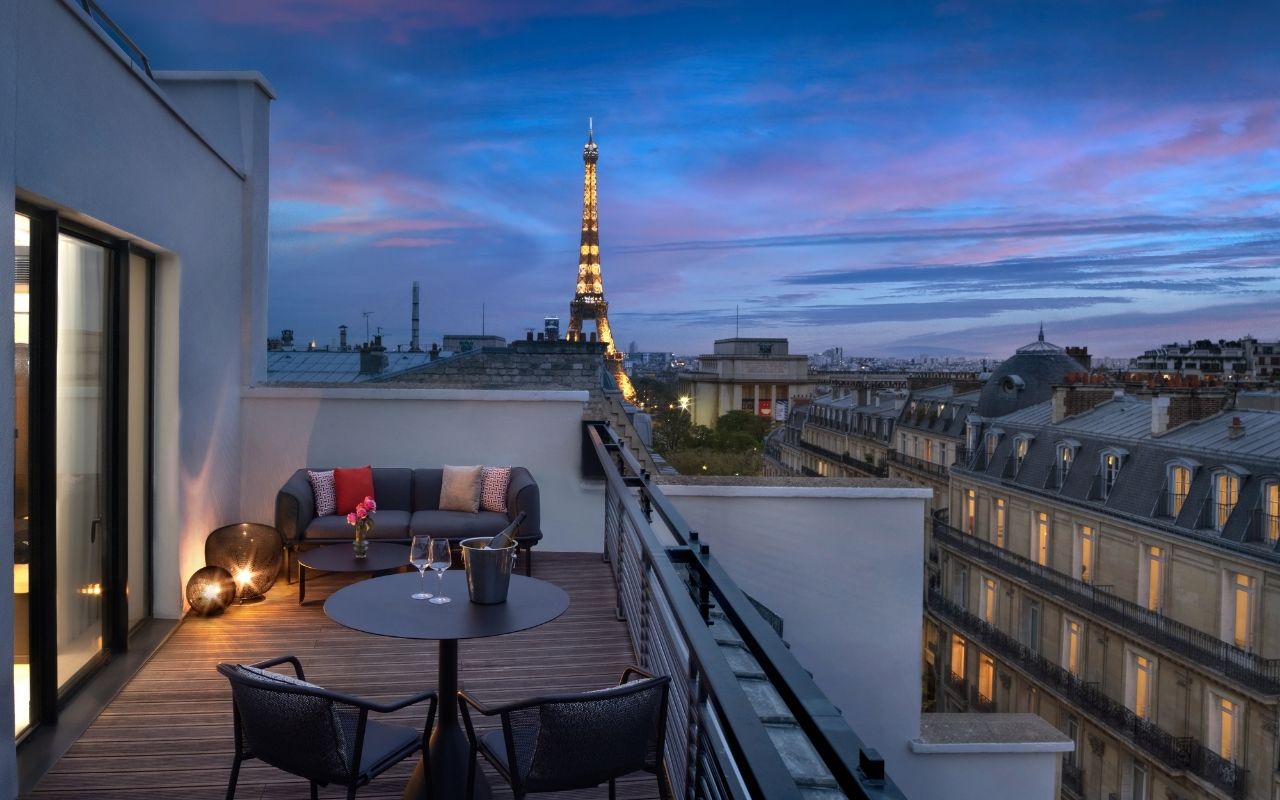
168,734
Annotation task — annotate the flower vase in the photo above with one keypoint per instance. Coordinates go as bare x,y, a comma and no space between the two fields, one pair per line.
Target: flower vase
361,543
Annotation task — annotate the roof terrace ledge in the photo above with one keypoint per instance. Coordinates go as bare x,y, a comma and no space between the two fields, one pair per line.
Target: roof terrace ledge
263,392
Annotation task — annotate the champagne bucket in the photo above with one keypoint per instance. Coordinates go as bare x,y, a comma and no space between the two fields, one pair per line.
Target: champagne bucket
488,570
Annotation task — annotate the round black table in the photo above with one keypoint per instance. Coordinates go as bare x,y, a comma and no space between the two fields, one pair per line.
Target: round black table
383,606
381,557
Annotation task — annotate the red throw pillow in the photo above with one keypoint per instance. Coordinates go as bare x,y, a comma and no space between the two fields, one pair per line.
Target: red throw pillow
352,486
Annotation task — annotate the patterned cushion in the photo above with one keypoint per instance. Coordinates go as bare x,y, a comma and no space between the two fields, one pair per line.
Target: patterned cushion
460,489
322,488
493,488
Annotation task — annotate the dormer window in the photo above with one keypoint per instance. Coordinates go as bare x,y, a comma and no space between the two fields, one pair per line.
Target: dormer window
1178,481
1109,471
992,442
1271,511
1226,493
1020,445
1063,459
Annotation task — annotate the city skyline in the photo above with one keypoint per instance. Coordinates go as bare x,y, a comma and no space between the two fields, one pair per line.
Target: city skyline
927,178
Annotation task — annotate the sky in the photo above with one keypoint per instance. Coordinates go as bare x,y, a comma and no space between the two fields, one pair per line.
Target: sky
897,179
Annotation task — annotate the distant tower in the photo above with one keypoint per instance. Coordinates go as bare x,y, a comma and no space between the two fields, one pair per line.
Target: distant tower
588,302
414,345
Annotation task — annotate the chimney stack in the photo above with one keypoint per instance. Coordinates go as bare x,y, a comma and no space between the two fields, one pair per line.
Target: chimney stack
414,347
342,338
1236,429
1073,399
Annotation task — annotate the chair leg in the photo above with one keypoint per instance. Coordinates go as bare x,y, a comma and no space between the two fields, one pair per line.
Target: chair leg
315,791
471,775
235,775
613,790
351,792
664,788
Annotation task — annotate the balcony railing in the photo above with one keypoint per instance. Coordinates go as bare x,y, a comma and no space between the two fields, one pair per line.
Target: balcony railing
958,684
1261,674
847,460
1073,779
1175,752
1264,528
717,746
918,463
117,35
980,702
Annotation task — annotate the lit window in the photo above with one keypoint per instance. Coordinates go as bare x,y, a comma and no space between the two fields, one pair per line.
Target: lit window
1179,487
1084,551
970,510
999,520
1151,578
1020,451
987,602
1226,493
1072,641
987,677
1110,471
993,440
957,656
1237,610
928,450
1042,538
1066,455
1140,684
1224,726
1271,511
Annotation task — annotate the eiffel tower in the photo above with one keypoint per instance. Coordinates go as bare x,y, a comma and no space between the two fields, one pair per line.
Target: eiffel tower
589,303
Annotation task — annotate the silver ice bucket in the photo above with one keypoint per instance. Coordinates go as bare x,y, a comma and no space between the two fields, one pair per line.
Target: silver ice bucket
488,570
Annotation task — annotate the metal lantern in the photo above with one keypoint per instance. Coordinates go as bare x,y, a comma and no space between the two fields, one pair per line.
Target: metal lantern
250,552
210,590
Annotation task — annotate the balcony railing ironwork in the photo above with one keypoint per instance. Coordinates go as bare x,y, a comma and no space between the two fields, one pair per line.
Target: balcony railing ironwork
1261,674
1175,752
1264,528
847,460
1073,779
918,463
717,746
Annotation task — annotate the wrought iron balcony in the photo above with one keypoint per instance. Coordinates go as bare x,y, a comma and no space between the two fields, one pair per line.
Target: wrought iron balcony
911,462
1073,779
1182,753
847,460
1210,652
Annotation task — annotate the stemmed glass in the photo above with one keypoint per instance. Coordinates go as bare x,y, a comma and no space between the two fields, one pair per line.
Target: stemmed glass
420,557
441,559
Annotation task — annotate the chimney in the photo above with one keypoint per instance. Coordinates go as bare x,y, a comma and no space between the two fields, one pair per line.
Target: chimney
1073,400
1236,429
342,338
1159,415
414,346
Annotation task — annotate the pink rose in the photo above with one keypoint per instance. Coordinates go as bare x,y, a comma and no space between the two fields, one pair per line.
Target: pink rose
361,512
369,504
351,518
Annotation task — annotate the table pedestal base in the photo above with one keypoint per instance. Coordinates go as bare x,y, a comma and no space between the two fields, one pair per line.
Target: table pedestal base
448,747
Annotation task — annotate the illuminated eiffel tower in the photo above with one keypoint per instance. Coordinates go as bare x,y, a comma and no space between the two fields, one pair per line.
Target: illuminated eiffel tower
589,303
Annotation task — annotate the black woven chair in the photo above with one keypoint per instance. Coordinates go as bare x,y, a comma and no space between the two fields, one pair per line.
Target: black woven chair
575,741
309,731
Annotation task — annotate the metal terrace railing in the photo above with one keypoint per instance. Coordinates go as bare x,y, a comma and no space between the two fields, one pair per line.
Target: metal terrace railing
1175,752
1261,674
117,35
717,746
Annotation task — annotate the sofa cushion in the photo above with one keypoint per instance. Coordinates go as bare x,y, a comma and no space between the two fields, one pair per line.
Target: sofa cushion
389,524
455,524
493,488
322,488
460,489
393,488
426,489
352,486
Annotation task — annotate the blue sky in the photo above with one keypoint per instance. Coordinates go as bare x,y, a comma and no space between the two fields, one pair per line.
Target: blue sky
894,178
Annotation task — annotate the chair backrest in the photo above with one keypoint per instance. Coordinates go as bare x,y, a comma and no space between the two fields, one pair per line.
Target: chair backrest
292,724
579,741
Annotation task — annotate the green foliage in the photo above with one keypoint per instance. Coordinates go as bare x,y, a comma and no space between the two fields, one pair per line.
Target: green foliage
703,461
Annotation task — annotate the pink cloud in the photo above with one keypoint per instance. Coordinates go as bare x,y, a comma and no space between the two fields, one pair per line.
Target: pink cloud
381,225
410,241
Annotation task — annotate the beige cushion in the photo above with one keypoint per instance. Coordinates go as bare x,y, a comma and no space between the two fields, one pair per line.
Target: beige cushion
460,489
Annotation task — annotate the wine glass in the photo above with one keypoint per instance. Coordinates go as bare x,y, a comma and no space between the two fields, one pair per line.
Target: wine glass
441,559
420,557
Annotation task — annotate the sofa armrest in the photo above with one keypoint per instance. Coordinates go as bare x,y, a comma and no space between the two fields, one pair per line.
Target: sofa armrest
522,495
295,507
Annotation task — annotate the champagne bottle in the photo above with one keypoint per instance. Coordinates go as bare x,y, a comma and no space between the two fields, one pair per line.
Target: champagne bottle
507,537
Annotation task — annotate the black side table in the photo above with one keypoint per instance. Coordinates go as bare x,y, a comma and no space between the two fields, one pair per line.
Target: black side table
341,558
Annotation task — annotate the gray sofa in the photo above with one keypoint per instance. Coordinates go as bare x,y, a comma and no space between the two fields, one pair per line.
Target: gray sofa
408,504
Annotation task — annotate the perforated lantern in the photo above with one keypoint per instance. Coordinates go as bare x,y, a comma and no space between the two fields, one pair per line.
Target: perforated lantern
250,552
210,590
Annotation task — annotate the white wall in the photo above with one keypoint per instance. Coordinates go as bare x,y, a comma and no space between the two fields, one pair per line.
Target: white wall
146,173
286,429
844,568
983,776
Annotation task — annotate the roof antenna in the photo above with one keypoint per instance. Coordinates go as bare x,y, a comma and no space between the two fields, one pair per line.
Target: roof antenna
590,128
1042,331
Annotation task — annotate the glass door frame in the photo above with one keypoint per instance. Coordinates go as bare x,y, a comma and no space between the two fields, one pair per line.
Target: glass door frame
47,698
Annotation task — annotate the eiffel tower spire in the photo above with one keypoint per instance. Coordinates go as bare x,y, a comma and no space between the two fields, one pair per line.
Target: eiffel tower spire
588,301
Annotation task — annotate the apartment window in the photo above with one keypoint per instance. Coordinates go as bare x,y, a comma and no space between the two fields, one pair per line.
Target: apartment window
1138,785
1140,681
1110,472
1031,701
928,450
903,446
970,510
942,454
992,441
987,602
1225,718
1179,487
1271,511
1062,464
1237,610
1085,548
1073,733
998,520
957,655
1020,446
1072,644
987,677
1226,493
1031,624
1151,578
1041,538
961,587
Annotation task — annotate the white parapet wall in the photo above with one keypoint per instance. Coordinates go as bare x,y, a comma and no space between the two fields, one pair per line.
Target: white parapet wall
842,562
285,429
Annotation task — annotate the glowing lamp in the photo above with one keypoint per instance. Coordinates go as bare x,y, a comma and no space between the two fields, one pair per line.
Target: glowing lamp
210,590
250,553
